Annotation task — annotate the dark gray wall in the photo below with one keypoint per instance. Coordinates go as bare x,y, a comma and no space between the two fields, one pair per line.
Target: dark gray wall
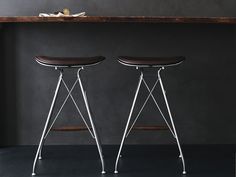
127,7
201,91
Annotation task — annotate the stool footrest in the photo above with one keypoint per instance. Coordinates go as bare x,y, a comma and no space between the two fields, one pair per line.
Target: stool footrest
70,128
150,128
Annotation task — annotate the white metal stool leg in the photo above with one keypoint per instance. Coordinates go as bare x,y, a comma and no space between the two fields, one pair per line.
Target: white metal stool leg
91,121
158,107
46,124
172,122
56,117
53,122
144,104
127,124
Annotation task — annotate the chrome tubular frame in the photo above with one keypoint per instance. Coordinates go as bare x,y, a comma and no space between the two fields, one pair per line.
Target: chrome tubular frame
47,127
172,122
46,124
171,127
127,124
91,121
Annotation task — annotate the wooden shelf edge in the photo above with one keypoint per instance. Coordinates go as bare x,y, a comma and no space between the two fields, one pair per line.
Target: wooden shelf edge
120,19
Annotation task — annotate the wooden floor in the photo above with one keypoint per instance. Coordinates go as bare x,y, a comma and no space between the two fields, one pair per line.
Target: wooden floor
136,161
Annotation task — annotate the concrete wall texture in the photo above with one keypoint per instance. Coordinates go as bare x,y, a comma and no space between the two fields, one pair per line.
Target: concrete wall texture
201,91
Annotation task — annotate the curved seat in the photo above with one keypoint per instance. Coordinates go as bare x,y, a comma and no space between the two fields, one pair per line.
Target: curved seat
150,61
68,61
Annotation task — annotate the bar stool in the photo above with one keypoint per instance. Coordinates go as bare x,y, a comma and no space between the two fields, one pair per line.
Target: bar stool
142,63
60,63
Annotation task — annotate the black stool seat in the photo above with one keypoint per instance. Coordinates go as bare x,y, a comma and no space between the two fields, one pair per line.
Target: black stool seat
68,61
150,61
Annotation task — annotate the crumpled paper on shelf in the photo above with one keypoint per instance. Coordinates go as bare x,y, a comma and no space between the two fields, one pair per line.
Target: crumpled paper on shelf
60,14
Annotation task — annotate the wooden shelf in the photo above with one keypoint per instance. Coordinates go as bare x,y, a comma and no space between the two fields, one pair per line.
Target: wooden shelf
120,19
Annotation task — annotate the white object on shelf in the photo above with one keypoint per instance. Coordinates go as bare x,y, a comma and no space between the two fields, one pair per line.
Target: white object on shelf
59,14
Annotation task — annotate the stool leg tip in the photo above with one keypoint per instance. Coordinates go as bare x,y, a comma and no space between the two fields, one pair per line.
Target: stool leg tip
40,158
33,174
103,172
116,172
184,172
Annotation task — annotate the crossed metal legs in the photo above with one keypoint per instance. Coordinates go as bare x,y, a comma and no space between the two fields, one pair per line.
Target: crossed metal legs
47,128
171,128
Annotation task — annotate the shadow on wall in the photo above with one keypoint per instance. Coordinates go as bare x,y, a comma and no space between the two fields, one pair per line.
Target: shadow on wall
8,89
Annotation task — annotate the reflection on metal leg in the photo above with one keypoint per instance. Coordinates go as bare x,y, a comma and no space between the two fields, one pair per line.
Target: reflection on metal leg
92,124
127,124
46,124
172,122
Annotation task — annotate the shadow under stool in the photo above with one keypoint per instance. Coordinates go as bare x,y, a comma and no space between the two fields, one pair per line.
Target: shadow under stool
158,63
61,63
